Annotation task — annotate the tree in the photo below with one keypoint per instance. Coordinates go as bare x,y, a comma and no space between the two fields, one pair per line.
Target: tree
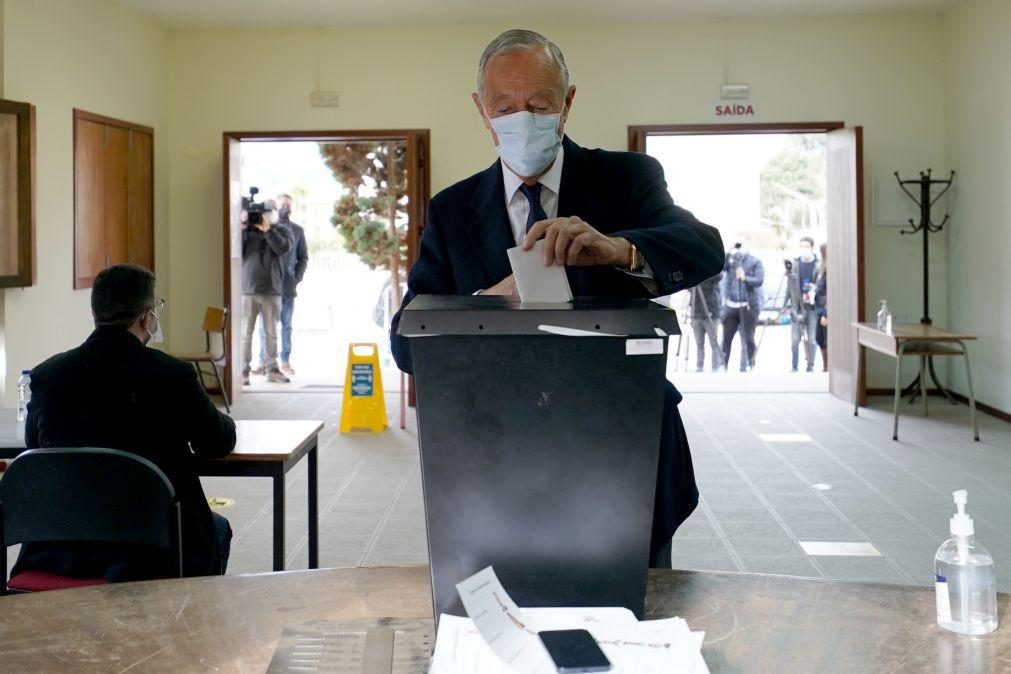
371,216
793,188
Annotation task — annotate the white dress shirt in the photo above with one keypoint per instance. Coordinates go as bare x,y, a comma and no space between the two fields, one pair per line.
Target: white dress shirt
516,201
551,182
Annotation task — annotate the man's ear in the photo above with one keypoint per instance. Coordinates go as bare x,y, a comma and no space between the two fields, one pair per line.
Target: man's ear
480,110
570,95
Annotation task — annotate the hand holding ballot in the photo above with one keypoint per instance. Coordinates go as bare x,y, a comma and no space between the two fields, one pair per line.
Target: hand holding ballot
571,241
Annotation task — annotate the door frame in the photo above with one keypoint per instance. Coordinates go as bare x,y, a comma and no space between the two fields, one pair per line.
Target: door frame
637,135
418,189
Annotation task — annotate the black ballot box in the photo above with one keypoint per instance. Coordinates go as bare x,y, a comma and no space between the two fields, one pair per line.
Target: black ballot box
539,428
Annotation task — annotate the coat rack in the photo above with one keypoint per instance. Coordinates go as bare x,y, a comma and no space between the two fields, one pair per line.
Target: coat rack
927,227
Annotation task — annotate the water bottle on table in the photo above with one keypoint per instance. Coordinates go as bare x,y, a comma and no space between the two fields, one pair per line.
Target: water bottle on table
24,395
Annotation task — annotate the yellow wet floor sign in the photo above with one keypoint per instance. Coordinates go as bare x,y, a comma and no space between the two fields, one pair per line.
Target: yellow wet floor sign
364,407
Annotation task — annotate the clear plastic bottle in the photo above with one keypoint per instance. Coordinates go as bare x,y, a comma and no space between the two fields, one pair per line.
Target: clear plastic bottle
965,582
884,318
24,396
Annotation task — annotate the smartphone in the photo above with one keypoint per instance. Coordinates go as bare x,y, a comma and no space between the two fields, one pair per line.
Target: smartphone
574,651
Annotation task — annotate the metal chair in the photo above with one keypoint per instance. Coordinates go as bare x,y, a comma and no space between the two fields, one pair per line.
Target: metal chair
72,495
215,322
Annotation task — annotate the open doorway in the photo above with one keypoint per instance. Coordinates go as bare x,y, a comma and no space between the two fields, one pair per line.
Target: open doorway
358,198
775,196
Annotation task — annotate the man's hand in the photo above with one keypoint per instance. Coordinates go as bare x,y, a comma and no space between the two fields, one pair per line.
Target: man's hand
739,273
570,241
824,321
264,224
506,286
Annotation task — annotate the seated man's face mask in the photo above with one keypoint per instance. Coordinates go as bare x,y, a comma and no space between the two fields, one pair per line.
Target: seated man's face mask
155,337
527,142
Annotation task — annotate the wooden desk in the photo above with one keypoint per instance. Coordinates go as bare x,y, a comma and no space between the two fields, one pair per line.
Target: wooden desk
262,449
753,623
913,339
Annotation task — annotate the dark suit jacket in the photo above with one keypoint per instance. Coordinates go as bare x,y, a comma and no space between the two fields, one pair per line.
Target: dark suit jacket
112,391
463,250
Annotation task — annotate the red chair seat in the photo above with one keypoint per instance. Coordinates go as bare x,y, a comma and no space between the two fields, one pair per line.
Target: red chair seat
41,581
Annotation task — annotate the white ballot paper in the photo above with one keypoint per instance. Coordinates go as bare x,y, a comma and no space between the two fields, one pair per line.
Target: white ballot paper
534,281
500,638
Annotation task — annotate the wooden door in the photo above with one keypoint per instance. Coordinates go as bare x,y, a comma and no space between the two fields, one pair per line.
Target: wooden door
89,201
233,268
140,199
845,211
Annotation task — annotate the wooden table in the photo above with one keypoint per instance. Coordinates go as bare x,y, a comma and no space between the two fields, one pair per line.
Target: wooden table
262,449
753,623
914,339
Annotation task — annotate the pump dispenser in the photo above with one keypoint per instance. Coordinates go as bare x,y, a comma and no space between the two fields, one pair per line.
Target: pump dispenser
965,582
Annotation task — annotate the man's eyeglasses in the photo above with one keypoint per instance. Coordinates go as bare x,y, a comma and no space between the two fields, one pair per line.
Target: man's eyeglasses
159,304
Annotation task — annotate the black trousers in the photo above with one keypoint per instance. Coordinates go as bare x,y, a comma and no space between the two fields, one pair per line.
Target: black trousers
700,327
746,318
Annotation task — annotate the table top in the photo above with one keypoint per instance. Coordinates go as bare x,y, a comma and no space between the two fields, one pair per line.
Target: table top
753,622
255,440
916,332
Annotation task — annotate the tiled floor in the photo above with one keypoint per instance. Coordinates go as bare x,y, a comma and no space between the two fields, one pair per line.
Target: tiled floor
759,499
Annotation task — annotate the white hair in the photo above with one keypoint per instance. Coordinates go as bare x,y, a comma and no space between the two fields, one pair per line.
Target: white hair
517,39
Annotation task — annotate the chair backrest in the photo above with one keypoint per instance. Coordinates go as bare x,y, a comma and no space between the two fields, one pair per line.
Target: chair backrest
216,322
89,495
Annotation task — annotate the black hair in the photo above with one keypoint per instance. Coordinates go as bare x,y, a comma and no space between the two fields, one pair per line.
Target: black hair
808,239
121,293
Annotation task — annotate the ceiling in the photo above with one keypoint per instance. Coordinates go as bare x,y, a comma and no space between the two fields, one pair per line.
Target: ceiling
265,13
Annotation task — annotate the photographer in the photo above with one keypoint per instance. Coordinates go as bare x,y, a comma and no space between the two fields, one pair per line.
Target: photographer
801,290
741,288
264,246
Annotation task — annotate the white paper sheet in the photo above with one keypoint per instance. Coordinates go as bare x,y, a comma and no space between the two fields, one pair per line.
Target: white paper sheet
501,638
534,281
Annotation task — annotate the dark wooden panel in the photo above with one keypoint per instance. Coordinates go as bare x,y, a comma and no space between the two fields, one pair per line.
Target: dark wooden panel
17,194
140,199
9,235
89,201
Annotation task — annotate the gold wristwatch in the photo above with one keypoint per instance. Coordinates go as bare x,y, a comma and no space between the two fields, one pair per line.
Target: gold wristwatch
636,262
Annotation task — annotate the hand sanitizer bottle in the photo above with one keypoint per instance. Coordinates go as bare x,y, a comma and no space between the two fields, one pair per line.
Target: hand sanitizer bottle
966,585
882,313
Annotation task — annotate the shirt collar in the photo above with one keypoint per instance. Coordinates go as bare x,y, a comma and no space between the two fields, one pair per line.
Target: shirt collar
552,179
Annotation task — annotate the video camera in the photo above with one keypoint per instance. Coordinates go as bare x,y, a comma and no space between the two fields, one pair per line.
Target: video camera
255,210
736,255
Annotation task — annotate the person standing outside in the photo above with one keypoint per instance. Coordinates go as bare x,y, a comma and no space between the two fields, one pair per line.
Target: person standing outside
295,262
743,277
821,305
803,312
705,311
264,246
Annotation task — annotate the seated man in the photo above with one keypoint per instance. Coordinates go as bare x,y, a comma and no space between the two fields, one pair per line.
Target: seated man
113,391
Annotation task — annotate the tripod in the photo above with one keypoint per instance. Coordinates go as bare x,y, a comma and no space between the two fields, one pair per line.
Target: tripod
927,227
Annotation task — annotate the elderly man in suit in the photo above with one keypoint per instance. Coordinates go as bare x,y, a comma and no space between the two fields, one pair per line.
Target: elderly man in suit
606,216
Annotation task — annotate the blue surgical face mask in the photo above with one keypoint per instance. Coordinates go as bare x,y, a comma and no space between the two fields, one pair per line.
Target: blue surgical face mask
527,143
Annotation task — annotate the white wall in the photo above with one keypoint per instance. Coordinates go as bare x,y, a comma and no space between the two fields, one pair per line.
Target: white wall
880,72
978,133
96,56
